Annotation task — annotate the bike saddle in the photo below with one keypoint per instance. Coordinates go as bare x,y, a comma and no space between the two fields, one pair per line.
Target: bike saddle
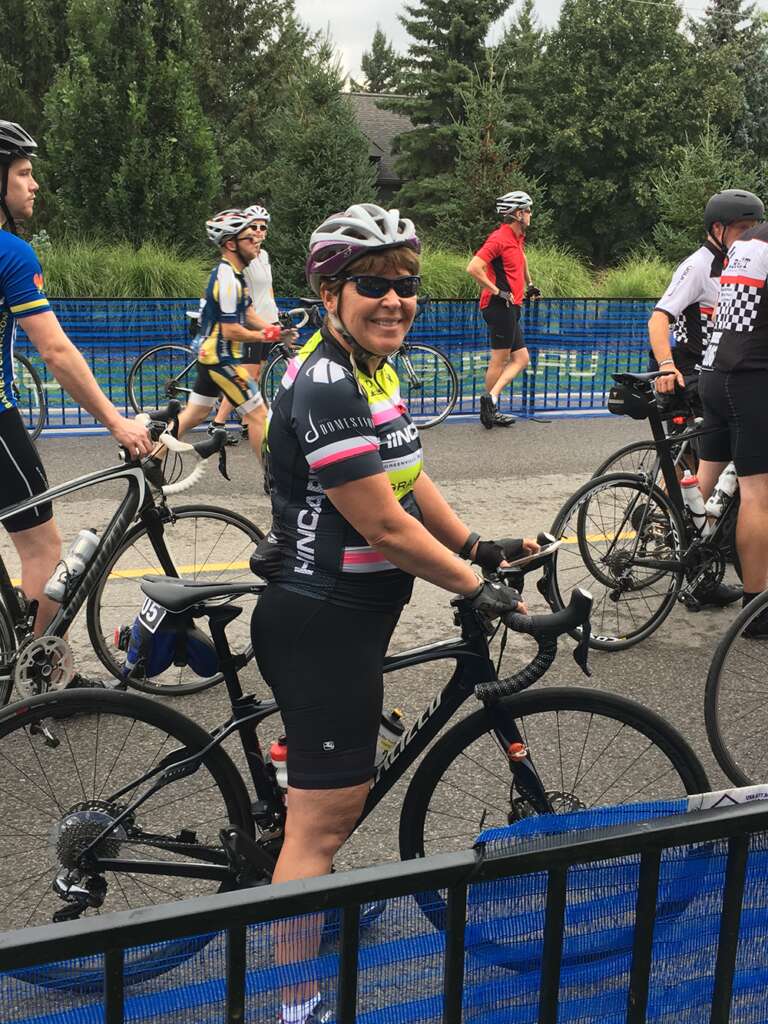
180,595
310,302
637,378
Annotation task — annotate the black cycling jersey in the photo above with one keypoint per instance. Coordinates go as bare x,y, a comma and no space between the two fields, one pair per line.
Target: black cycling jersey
740,336
690,302
330,425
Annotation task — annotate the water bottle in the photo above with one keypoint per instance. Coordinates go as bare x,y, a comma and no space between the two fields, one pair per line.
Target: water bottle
692,497
72,565
726,487
390,731
278,755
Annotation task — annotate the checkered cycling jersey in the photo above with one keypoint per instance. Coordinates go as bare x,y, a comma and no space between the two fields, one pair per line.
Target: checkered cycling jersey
21,295
740,336
689,302
330,425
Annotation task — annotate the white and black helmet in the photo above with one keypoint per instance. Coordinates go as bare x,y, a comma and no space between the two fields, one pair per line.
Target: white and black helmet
257,212
344,237
227,224
513,201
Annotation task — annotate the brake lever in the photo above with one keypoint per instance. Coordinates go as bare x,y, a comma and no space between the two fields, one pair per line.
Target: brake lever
581,653
223,462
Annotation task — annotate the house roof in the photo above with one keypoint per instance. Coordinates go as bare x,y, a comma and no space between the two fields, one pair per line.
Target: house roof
380,127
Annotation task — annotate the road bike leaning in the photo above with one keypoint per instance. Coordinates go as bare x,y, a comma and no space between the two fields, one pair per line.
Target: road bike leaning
144,536
631,538
119,801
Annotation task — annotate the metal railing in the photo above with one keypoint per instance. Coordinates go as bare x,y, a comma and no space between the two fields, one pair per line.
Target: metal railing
232,913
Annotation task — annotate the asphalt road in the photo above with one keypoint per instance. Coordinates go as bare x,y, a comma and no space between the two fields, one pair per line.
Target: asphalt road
504,482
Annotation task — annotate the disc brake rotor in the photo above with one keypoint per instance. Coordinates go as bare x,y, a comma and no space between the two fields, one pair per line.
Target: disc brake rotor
43,663
561,803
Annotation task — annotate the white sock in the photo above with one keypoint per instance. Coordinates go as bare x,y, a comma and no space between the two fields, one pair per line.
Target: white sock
493,398
297,1013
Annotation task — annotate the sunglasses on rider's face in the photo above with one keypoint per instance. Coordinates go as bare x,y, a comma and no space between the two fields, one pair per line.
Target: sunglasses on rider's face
259,227
377,287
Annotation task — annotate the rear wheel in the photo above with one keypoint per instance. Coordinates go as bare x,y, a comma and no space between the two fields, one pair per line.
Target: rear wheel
161,373
199,542
607,527
71,763
429,383
30,395
271,375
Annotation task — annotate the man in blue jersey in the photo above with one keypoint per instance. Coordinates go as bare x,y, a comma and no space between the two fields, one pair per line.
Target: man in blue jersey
23,300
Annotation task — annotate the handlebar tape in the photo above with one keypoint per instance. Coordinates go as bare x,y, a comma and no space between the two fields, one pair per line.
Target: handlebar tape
524,677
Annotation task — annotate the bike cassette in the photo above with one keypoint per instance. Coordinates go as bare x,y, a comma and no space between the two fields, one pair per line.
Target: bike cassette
81,827
43,663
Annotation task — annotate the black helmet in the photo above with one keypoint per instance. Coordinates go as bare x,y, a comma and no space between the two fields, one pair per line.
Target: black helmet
15,144
732,204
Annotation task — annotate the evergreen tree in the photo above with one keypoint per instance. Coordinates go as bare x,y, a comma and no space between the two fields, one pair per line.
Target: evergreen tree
519,57
381,65
489,163
128,149
705,166
448,47
319,163
32,47
623,90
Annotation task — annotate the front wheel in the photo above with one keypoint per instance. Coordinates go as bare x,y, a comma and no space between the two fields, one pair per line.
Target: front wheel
159,374
271,375
429,383
736,699
30,395
610,529
198,542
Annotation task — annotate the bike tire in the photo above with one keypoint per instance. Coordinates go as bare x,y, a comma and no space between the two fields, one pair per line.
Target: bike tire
570,568
154,377
429,384
271,375
106,739
7,655
735,706
32,403
224,535
458,771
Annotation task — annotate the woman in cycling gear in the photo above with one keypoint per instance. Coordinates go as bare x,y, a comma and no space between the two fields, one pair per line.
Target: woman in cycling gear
227,325
355,520
258,279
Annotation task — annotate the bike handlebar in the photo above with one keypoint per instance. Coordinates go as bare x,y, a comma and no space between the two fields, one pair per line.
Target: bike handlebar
157,424
564,621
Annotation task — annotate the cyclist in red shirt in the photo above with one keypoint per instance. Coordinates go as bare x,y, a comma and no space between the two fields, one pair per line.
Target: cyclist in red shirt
500,266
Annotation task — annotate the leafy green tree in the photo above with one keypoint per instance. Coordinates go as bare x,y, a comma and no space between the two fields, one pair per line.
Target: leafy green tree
129,150
623,90
489,163
448,46
32,47
319,163
382,66
519,57
705,166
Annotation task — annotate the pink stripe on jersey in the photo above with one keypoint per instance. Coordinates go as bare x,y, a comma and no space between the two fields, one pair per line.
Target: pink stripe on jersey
362,557
752,282
347,453
291,371
385,416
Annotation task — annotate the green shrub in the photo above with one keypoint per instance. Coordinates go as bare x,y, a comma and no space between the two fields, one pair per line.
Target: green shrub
637,277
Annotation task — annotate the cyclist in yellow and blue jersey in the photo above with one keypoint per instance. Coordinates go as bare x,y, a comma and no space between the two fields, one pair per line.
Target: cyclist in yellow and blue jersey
227,325
355,519
23,301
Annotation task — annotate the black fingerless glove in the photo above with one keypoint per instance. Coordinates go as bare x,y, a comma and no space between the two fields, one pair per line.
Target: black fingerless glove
505,297
532,292
494,599
491,553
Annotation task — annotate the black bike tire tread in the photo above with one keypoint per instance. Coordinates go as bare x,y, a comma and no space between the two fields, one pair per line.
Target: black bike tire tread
139,362
42,401
553,590
94,634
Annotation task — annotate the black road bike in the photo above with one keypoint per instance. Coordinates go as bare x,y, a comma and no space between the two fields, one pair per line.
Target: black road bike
145,536
113,801
633,541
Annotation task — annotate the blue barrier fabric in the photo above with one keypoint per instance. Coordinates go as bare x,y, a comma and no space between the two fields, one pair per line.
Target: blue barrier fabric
575,345
402,953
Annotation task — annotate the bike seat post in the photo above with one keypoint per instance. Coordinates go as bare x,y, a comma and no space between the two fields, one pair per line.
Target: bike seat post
219,618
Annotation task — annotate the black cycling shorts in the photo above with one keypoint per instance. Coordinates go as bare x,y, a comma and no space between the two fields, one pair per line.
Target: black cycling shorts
21,473
229,379
735,404
324,665
503,324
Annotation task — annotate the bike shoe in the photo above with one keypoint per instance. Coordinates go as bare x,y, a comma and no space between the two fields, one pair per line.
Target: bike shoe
80,682
321,1014
487,411
213,426
758,628
501,419
717,597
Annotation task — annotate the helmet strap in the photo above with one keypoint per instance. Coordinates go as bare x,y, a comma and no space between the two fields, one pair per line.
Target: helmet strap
10,222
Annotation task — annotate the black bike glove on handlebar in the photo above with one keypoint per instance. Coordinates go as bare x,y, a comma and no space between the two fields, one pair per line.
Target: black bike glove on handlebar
494,599
491,553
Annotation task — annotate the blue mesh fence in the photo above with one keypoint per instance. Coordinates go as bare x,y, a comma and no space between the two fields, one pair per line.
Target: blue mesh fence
401,956
575,346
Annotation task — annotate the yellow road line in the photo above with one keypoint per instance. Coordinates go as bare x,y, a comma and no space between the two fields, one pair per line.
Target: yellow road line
595,537
183,570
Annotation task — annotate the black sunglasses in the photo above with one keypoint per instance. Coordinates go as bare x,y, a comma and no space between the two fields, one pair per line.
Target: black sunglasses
377,287
260,227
